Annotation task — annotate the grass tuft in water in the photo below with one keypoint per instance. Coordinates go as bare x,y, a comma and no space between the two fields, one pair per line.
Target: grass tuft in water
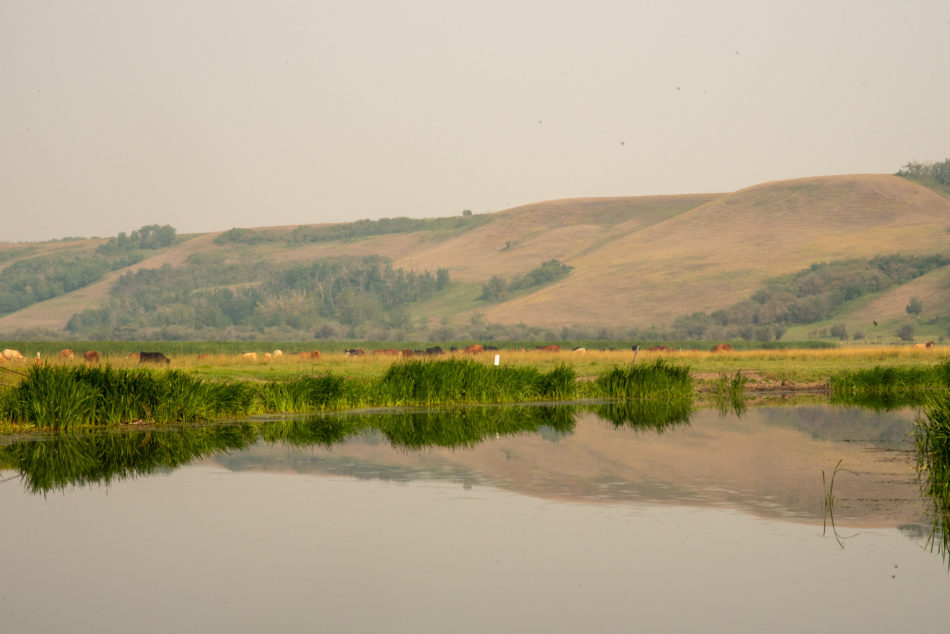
658,379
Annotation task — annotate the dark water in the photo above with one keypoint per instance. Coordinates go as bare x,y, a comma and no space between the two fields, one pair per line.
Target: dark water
504,520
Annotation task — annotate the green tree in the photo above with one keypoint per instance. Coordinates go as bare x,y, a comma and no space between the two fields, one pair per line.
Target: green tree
914,307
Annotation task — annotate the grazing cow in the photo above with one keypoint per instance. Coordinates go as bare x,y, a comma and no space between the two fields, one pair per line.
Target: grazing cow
917,346
153,357
278,353
268,356
474,349
354,352
313,354
490,348
434,350
91,356
929,345
249,356
406,352
722,347
578,350
66,354
550,348
13,355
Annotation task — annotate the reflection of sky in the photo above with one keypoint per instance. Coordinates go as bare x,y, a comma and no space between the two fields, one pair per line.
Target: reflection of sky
205,549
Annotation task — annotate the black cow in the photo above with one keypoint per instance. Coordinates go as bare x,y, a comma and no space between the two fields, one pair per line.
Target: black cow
153,357
434,350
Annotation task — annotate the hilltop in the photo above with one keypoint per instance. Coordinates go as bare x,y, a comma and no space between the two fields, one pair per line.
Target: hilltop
627,264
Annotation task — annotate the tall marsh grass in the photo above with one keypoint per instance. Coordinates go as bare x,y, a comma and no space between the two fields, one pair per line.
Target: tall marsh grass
889,386
933,455
642,380
469,381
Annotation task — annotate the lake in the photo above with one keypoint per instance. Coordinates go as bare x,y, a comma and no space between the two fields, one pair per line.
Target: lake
483,519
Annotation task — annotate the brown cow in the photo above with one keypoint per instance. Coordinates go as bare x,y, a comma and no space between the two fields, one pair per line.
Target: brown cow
66,354
929,345
722,347
474,349
91,356
314,354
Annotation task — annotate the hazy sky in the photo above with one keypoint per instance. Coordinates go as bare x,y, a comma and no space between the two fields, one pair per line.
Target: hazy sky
208,115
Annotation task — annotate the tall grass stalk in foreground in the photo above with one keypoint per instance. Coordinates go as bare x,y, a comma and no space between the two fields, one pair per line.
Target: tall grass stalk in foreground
933,464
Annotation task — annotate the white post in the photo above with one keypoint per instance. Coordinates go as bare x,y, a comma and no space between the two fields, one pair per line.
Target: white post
497,359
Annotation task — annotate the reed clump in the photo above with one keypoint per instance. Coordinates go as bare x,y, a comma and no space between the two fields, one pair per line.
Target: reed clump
469,381
889,386
657,379
59,397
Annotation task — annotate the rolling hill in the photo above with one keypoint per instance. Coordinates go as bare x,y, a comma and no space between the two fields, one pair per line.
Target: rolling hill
637,262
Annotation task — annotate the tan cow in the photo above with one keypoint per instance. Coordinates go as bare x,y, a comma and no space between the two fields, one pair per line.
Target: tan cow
66,354
249,356
13,355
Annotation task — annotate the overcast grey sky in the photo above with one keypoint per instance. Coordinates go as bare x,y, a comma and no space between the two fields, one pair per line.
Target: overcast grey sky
208,114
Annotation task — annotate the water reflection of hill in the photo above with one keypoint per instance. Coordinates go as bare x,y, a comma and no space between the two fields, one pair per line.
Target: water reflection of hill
768,460
761,462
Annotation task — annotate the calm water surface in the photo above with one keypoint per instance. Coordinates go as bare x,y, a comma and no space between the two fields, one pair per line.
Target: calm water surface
584,525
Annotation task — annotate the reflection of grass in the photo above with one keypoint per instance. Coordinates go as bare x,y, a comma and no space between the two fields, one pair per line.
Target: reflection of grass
656,414
83,458
730,393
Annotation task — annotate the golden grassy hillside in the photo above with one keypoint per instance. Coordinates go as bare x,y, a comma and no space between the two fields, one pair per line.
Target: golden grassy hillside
638,261
718,253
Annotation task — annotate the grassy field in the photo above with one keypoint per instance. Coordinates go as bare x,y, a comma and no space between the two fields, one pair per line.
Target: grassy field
224,360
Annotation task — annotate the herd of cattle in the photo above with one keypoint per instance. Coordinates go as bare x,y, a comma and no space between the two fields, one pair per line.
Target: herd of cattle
92,356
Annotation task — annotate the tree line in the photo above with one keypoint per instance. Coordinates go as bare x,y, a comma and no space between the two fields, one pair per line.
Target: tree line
497,288
208,293
810,295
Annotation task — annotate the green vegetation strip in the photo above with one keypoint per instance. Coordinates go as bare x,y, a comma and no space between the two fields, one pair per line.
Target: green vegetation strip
60,397
889,387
